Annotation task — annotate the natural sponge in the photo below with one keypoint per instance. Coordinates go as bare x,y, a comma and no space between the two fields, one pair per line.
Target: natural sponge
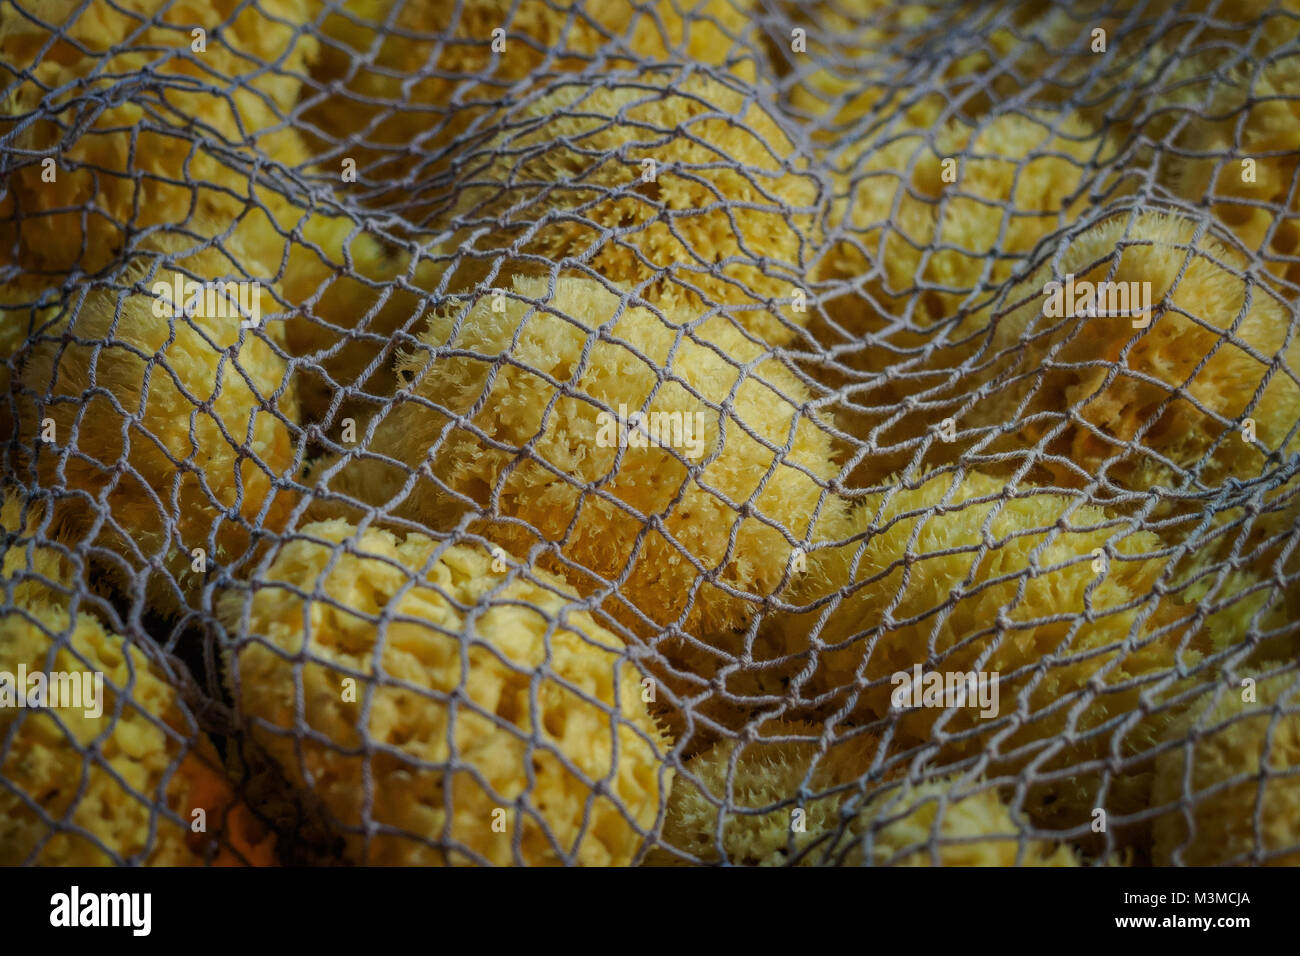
677,464
118,786
1159,405
1221,110
934,222
36,568
1044,601
673,183
166,154
855,64
945,822
1229,786
810,808
175,427
22,302
357,297
477,700
396,102
1243,162
787,769
117,775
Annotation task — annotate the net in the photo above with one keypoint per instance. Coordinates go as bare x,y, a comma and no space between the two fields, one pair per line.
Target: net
628,432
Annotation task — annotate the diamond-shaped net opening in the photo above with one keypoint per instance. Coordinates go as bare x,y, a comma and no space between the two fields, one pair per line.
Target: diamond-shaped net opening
629,432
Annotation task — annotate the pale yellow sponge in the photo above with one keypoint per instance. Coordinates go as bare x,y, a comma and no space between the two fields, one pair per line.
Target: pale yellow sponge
475,709
945,822
354,294
36,570
176,428
599,427
854,59
397,104
788,798
1219,108
1244,164
782,795
932,226
673,183
949,558
1146,406
22,302
1045,601
1230,786
143,160
115,782
1249,609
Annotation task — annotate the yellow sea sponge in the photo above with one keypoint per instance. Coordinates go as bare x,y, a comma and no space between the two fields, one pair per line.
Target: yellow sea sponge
949,558
946,822
80,788
395,105
177,428
355,294
1049,597
765,775
22,301
1249,608
857,60
1239,156
1230,784
142,160
670,182
473,693
1121,64
923,245
788,769
933,224
1206,100
36,569
598,427
1148,406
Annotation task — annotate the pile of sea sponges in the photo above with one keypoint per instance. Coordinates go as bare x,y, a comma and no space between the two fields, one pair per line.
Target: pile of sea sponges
710,432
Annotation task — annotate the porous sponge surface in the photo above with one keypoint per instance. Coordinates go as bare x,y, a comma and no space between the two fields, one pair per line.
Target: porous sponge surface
1235,770
1049,597
130,398
129,167
676,185
937,221
413,89
1149,407
947,822
790,797
452,664
515,418
122,786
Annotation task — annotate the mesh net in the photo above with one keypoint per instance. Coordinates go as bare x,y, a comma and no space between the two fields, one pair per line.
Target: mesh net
612,432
